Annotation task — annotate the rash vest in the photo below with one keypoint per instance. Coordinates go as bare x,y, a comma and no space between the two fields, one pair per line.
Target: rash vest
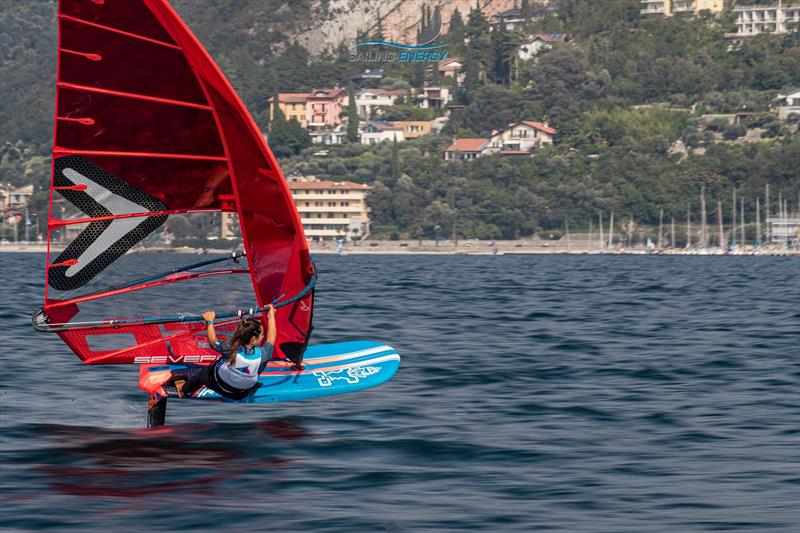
249,364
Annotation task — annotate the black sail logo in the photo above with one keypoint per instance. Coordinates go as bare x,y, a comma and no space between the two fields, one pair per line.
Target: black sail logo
100,194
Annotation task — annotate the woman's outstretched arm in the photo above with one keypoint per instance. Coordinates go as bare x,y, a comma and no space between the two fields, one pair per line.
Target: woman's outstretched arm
209,317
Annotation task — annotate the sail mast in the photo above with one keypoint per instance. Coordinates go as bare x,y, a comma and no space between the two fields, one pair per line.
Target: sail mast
611,232
758,222
719,221
672,242
703,224
660,228
733,220
602,244
688,226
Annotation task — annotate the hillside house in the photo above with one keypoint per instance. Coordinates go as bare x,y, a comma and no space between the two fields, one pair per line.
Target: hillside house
452,68
324,108
787,104
521,138
530,45
370,103
465,149
377,131
293,106
433,97
414,128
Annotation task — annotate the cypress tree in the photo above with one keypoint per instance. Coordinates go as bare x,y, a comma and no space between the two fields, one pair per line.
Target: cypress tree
455,32
352,116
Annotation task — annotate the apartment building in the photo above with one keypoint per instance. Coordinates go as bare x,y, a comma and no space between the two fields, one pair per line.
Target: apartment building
758,19
293,106
414,128
330,210
668,8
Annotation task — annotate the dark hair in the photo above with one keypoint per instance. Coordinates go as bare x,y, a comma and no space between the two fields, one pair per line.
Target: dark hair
246,331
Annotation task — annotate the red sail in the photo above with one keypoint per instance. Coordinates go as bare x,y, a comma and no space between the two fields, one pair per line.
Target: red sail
148,127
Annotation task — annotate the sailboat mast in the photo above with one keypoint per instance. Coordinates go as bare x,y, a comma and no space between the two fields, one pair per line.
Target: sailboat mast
766,213
741,203
569,246
611,232
602,244
780,215
719,222
733,219
689,226
786,221
672,242
660,228
758,222
703,223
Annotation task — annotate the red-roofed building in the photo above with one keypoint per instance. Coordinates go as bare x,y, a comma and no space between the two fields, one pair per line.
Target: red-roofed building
521,138
331,209
462,149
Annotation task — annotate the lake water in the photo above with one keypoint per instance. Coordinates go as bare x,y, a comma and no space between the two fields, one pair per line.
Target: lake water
552,393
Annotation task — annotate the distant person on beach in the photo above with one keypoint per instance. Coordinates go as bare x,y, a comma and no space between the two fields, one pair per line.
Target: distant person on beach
234,374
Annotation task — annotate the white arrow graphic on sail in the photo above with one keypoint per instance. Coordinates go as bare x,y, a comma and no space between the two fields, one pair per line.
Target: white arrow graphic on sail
118,228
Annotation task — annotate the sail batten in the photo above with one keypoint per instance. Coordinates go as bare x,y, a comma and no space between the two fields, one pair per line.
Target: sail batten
136,96
60,150
118,31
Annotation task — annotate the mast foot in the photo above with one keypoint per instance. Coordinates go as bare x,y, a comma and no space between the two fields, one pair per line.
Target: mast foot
156,411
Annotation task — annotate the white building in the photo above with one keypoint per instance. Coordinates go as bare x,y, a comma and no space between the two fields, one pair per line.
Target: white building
511,19
15,196
758,19
788,104
530,45
377,132
370,103
336,135
331,210
783,230
667,8
433,97
521,138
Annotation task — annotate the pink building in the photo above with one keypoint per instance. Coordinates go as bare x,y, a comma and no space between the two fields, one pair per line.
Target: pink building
324,108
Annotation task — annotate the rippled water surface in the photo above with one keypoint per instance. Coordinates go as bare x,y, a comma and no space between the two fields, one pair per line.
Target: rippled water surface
553,393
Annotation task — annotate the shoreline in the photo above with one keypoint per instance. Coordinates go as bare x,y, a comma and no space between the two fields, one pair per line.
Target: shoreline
468,248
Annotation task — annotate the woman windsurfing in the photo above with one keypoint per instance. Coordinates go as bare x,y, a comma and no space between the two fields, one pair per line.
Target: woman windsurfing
234,375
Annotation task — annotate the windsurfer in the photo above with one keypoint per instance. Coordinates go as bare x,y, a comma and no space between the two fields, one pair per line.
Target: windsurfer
235,373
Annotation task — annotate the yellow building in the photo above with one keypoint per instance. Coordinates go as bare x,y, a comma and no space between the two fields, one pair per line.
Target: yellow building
413,128
293,105
332,209
667,8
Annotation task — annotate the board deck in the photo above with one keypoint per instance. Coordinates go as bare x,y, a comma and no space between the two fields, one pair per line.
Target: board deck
329,369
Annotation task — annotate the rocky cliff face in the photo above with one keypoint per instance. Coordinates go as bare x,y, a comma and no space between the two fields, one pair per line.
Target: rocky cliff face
334,21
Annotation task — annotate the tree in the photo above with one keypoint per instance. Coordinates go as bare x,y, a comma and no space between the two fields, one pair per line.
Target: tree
455,32
352,116
503,50
378,35
286,138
